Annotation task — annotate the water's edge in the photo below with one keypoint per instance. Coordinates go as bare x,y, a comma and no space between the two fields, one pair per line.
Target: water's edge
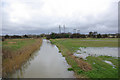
47,62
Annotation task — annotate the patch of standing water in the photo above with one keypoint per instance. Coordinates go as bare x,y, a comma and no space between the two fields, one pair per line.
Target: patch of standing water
110,63
96,51
100,40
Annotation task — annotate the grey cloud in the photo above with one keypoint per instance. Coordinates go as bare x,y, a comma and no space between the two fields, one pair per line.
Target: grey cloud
105,22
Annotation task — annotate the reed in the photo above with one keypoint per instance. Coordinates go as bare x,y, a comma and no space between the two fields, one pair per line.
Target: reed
12,60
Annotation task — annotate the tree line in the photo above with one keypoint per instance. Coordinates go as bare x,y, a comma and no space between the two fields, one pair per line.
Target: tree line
19,36
63,35
78,35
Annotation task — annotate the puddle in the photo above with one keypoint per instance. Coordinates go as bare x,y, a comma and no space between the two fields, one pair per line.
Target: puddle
110,63
96,51
101,40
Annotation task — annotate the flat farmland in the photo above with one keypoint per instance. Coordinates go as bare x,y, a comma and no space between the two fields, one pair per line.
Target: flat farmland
93,66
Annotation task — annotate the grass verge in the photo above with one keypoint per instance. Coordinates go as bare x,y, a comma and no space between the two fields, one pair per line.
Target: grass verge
16,52
93,67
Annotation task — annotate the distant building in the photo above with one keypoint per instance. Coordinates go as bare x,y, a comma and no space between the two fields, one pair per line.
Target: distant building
112,35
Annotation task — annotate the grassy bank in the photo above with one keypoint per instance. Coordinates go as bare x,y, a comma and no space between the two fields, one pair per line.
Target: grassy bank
74,44
0,58
93,67
16,52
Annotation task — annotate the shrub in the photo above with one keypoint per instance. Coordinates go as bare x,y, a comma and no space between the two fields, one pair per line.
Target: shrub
70,69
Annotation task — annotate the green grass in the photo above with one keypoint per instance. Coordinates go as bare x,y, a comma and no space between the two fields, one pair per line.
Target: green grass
16,52
100,69
70,69
74,44
0,43
17,43
59,51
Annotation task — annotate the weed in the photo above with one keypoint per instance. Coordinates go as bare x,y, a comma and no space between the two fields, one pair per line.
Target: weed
70,69
59,51
16,54
86,68
79,72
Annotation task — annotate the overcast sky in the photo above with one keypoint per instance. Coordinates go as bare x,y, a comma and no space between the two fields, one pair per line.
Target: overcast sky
44,16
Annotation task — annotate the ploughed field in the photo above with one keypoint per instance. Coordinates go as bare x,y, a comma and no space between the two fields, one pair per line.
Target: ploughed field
16,52
90,58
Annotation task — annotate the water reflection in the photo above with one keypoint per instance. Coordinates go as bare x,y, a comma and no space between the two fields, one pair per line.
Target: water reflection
45,63
96,51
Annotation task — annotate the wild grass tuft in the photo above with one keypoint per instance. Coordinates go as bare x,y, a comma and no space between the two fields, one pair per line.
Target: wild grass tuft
70,69
14,55
86,68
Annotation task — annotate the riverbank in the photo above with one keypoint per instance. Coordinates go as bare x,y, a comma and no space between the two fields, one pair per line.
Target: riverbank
16,52
0,58
46,62
91,67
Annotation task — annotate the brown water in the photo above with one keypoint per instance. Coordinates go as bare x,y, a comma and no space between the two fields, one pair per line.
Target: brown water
45,63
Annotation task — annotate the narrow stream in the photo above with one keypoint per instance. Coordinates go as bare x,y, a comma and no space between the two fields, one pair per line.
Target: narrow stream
45,63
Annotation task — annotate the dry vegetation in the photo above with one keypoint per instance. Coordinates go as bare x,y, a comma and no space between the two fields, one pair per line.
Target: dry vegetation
14,57
86,68
0,59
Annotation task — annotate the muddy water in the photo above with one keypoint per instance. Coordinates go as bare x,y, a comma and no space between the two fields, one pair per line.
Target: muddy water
45,63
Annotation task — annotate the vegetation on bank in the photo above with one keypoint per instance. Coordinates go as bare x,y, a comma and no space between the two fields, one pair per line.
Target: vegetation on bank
0,58
101,69
16,52
74,44
93,67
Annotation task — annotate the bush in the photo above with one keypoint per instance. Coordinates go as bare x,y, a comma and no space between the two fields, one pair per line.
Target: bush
79,71
70,69
59,51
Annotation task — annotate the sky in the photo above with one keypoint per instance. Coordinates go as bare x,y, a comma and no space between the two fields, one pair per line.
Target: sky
45,16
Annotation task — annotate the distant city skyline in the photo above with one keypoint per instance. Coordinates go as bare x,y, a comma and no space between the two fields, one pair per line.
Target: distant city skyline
45,16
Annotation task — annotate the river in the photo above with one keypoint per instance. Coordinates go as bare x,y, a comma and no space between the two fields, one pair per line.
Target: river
47,62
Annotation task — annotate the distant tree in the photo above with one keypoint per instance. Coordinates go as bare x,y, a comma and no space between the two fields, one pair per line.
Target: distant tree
105,36
15,36
3,39
7,36
53,35
66,35
48,37
25,36
38,36
82,36
42,35
94,33
99,36
75,35
118,35
90,34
